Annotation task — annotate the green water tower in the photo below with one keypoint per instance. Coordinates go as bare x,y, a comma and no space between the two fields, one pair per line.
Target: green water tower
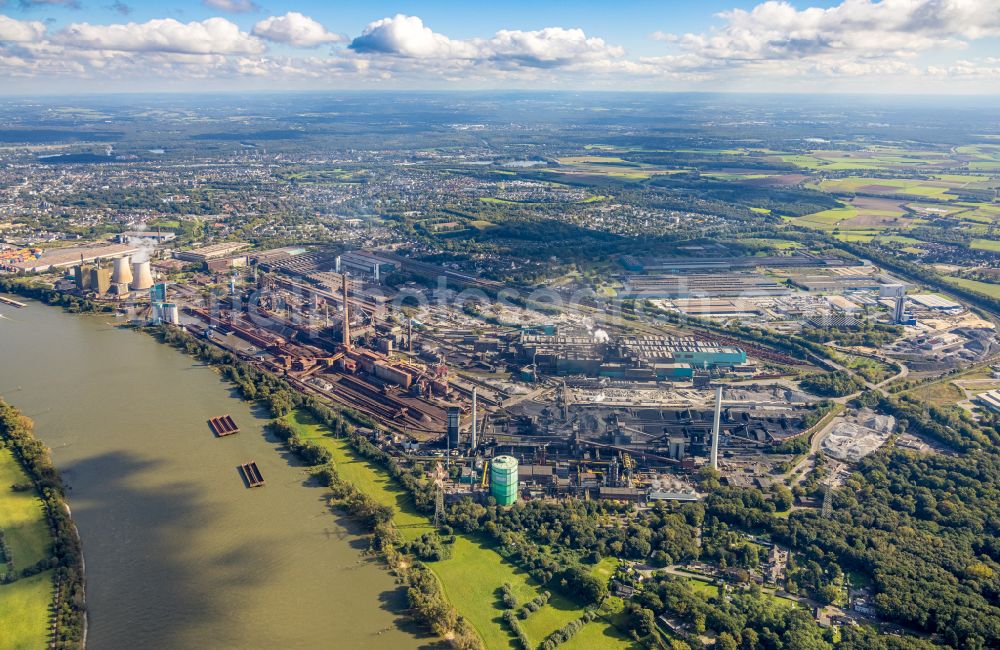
503,480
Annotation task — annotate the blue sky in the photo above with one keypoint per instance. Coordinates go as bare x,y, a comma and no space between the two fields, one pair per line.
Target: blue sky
878,46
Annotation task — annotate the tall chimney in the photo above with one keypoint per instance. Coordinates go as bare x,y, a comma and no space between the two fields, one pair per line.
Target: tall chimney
346,329
715,427
472,438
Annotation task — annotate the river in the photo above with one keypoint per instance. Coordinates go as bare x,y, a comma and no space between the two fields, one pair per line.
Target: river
179,553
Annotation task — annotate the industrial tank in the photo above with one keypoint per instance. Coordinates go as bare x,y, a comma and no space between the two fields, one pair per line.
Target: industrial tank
503,480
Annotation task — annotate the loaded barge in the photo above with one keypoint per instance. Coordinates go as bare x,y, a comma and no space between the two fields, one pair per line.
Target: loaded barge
223,426
252,475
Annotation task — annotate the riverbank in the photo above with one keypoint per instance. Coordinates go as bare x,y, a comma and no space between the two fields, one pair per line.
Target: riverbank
179,554
475,572
42,598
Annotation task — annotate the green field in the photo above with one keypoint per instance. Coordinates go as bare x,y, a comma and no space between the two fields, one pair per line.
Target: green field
827,219
891,186
24,604
874,158
860,236
941,393
22,516
474,574
985,288
986,245
24,611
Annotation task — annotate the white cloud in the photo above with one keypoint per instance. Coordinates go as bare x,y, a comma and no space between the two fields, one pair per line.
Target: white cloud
407,36
549,47
210,36
775,30
552,47
232,6
294,29
20,31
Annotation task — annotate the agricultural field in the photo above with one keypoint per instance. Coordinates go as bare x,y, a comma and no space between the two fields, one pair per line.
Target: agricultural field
826,219
981,157
887,186
872,158
863,217
979,212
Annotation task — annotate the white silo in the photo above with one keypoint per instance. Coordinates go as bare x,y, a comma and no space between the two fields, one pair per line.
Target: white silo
143,277
122,271
170,313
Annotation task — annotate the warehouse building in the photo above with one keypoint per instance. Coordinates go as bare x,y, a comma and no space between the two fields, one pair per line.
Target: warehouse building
692,286
61,258
211,251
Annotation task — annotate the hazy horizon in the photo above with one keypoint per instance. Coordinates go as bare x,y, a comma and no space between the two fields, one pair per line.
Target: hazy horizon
812,46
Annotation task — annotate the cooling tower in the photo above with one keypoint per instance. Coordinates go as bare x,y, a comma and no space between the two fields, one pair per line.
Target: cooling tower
122,273
143,278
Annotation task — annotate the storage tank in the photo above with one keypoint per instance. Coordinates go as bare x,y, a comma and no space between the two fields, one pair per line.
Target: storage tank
171,314
122,273
143,277
503,480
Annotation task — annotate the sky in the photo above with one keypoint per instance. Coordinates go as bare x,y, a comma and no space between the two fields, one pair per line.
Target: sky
939,47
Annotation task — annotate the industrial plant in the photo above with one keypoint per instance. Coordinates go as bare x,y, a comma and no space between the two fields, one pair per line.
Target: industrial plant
517,405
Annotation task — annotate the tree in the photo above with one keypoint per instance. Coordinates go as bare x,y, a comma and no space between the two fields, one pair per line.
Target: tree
725,641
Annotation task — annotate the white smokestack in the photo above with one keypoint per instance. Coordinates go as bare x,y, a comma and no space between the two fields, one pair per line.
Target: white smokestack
121,273
715,427
143,277
472,438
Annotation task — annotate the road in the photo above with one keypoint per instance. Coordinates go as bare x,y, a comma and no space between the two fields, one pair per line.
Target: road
798,473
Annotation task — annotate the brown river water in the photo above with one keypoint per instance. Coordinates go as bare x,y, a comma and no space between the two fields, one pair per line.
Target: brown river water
179,553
